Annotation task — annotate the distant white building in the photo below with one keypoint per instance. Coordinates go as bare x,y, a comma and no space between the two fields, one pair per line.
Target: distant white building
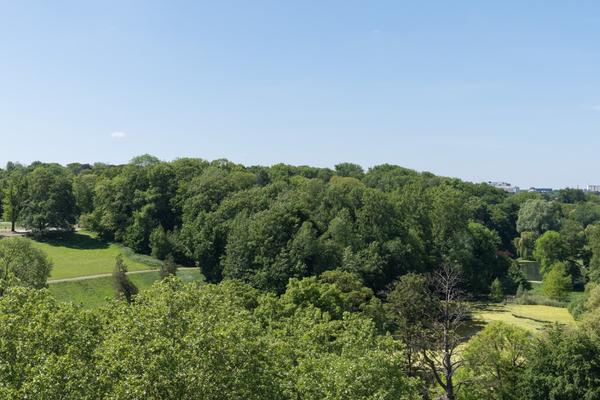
507,187
593,188
540,190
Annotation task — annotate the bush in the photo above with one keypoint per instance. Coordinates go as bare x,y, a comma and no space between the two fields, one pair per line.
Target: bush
577,307
496,293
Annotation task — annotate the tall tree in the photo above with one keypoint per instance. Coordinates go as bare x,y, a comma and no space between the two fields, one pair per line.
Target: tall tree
525,244
83,192
349,169
549,249
14,195
124,288
557,282
50,202
538,216
495,359
571,196
593,238
443,335
21,264
168,267
563,364
410,304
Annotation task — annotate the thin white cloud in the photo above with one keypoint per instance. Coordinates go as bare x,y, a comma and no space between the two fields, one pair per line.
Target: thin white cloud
596,107
118,135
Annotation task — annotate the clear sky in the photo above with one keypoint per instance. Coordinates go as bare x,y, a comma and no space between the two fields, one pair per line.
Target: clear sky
482,90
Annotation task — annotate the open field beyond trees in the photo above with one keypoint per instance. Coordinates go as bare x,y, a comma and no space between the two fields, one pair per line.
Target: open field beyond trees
83,254
532,317
94,292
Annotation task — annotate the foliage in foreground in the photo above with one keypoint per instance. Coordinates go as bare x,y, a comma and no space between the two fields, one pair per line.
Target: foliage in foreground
22,265
325,337
194,342
504,362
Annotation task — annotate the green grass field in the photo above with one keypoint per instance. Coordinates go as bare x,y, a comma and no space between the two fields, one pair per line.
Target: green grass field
530,317
94,292
82,254
538,290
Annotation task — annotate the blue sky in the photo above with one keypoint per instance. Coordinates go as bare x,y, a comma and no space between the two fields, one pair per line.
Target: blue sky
504,90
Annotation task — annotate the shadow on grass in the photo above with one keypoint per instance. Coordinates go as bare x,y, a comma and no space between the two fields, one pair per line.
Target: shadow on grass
74,240
470,328
539,321
490,307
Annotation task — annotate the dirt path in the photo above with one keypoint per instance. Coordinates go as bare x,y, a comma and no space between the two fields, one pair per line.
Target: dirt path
9,233
24,232
83,278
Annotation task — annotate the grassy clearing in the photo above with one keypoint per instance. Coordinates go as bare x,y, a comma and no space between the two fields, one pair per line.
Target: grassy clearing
530,317
92,293
82,253
537,296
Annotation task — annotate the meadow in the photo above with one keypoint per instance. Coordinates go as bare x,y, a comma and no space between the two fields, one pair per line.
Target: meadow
532,317
82,253
91,293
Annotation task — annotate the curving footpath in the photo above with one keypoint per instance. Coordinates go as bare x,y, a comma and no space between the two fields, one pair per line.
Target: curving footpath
83,278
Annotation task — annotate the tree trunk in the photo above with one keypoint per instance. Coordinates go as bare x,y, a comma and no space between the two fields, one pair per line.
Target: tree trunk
450,389
448,369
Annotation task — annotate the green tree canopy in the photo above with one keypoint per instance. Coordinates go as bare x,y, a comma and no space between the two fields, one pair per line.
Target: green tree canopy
495,359
538,216
549,249
571,196
21,264
563,364
191,341
557,282
49,201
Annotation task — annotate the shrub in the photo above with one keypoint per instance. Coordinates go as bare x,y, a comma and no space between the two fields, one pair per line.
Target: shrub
496,293
577,307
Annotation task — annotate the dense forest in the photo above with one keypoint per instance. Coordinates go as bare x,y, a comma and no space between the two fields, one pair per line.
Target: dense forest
320,284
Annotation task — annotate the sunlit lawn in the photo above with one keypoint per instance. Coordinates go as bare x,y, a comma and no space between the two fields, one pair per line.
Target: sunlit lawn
530,317
82,254
94,292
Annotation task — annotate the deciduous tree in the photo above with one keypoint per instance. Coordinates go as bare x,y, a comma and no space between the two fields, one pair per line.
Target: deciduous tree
124,288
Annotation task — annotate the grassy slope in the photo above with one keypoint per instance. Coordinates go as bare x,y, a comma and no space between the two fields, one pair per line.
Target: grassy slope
94,292
531,317
82,254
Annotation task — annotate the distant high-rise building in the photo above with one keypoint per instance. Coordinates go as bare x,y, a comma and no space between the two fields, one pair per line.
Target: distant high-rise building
593,188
